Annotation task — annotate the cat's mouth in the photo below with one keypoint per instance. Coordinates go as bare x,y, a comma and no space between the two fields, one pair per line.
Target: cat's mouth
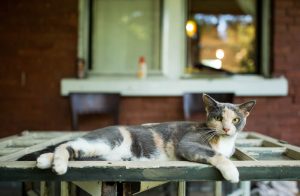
225,134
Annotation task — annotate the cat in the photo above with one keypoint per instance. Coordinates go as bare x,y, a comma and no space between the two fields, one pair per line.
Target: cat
210,142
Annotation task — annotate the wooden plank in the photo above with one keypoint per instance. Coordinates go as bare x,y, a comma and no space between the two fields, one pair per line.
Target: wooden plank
149,171
293,154
43,188
250,168
272,142
264,150
64,188
47,134
248,142
218,188
91,187
8,150
181,188
9,138
266,153
40,146
29,135
147,185
243,135
241,155
6,143
26,142
109,189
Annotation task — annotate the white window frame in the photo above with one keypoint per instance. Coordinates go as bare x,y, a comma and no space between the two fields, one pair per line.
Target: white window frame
173,42
173,45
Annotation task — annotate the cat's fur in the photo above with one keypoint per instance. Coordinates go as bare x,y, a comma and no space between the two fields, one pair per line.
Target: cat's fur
211,142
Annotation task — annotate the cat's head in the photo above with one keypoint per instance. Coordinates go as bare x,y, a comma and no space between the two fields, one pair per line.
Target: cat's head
226,118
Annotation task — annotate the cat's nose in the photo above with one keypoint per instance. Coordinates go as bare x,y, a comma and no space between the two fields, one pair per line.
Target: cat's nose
225,129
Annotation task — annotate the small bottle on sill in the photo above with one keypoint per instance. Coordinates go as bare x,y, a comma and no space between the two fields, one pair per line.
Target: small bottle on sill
142,68
81,68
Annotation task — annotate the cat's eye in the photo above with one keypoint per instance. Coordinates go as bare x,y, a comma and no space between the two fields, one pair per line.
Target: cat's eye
236,120
218,118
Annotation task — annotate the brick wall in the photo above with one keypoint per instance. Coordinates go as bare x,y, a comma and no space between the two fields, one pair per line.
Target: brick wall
38,47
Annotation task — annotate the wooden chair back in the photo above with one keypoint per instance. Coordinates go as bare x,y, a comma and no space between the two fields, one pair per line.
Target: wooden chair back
94,103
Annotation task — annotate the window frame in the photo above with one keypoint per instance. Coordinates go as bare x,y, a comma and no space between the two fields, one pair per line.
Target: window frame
173,39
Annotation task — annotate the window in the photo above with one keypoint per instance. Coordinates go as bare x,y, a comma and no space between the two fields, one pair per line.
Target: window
224,35
114,34
122,32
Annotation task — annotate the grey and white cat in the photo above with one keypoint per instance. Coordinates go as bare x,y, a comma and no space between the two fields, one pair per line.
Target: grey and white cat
210,142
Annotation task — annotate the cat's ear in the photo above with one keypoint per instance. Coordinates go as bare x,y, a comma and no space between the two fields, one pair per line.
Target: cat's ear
247,107
209,102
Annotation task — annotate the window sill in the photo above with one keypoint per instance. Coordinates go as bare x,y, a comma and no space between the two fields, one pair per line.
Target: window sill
240,85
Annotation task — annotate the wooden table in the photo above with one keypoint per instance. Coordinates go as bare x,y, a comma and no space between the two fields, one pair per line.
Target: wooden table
257,157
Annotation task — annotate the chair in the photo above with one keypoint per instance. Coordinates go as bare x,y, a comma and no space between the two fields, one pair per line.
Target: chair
193,103
94,103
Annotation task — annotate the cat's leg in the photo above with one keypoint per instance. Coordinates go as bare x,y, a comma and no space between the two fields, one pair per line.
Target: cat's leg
44,161
77,149
195,152
226,167
61,158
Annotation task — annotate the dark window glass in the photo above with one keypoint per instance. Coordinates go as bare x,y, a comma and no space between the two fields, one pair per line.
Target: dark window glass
222,36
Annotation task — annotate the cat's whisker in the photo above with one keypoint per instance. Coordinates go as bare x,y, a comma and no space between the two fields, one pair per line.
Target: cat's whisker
211,137
208,136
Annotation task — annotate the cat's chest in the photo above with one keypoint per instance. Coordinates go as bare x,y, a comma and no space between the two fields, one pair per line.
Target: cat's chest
225,145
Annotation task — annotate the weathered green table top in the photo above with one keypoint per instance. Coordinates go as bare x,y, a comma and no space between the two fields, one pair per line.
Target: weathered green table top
257,157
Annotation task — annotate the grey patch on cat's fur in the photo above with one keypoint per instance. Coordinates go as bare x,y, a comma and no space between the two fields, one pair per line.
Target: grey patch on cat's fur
162,130
97,158
81,153
71,152
194,151
142,142
217,111
111,135
126,159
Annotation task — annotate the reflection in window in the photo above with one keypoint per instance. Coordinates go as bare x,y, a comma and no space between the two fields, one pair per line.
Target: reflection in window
122,32
225,37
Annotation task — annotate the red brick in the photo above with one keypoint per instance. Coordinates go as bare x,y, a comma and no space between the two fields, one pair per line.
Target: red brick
283,4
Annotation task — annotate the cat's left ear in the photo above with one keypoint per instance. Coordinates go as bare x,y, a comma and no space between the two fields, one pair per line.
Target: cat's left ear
247,107
209,103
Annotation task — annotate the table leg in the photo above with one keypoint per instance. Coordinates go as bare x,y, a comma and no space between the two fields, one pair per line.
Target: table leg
181,188
218,188
64,188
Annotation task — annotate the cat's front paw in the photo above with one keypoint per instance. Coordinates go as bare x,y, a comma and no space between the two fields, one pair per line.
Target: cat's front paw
226,167
230,173
44,161
60,166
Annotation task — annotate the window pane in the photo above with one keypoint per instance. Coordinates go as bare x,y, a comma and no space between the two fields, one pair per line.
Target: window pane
123,31
225,36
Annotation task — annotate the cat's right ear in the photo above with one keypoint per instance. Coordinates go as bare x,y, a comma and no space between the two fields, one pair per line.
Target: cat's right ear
247,107
209,102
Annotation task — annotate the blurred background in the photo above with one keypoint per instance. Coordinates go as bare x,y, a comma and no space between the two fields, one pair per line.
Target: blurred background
44,42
